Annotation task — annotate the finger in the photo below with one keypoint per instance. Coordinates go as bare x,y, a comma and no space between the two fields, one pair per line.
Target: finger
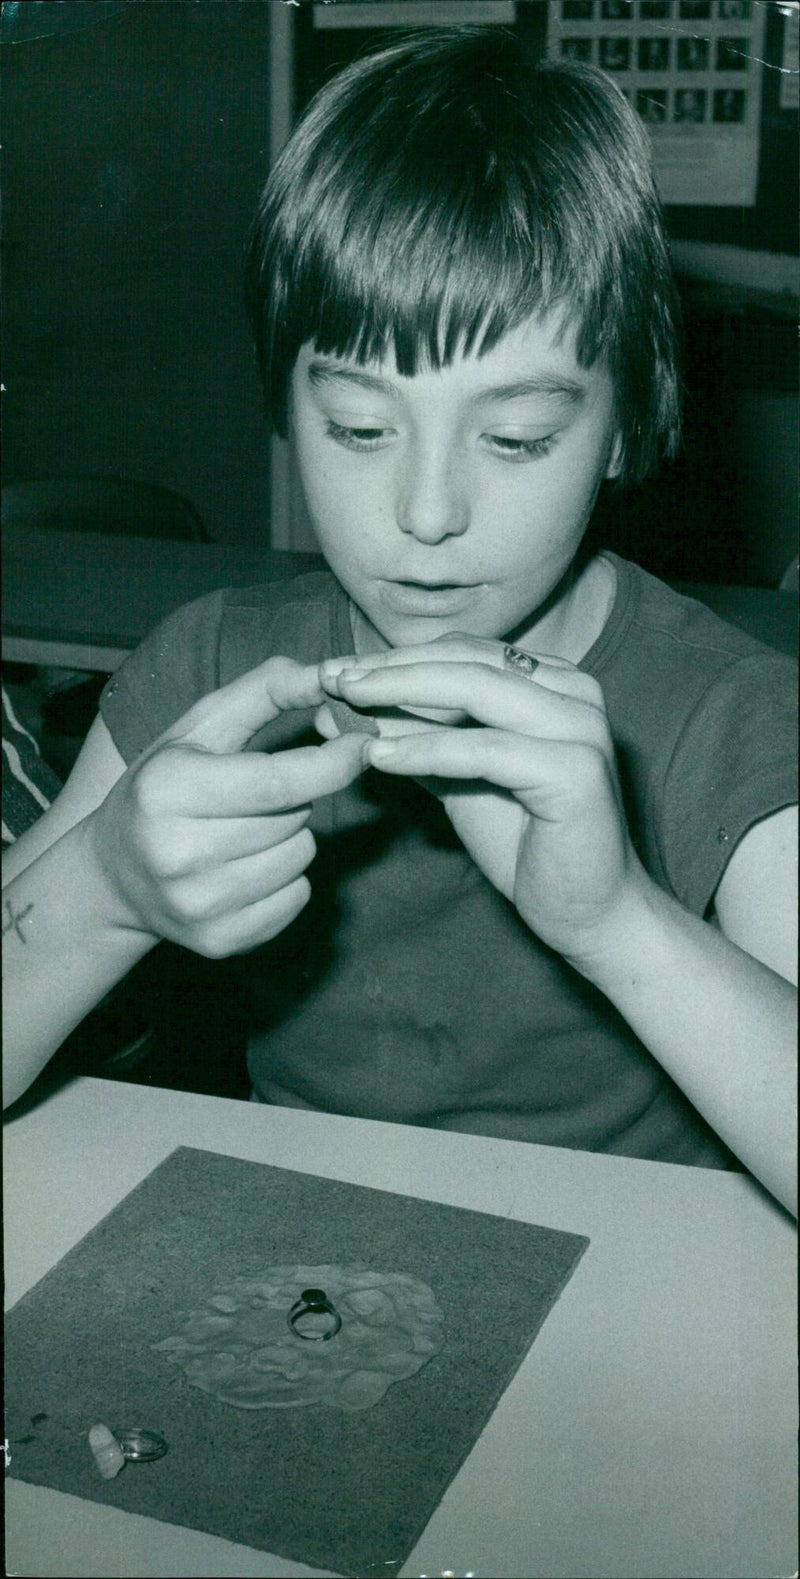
199,784
226,719
235,884
547,775
253,924
223,839
553,674
492,696
452,647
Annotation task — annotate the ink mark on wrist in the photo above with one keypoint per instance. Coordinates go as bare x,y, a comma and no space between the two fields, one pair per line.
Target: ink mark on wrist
13,919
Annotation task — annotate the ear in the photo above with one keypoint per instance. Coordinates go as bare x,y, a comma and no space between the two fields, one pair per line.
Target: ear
614,462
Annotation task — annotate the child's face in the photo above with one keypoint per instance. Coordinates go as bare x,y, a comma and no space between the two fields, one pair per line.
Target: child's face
456,499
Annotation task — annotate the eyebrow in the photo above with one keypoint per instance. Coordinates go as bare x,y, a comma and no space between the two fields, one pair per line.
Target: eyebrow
554,386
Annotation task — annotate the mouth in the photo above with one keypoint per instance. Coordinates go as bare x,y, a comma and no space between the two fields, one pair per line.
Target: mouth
434,586
431,598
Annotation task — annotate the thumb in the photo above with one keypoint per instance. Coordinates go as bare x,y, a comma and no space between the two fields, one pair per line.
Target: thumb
224,720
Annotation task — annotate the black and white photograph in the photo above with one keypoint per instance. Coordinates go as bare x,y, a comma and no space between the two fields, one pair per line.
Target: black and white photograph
652,54
614,53
730,105
731,54
693,54
577,48
690,104
651,104
399,680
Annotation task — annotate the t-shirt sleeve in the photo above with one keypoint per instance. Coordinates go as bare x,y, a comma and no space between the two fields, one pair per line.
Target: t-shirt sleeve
734,763
172,668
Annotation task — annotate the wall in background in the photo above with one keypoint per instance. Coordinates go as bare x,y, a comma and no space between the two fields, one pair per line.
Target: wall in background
134,151
133,154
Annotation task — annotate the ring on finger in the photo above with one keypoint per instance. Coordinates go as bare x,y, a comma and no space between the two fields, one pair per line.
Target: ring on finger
519,662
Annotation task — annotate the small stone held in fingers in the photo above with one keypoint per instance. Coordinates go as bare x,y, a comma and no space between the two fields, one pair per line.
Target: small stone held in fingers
348,721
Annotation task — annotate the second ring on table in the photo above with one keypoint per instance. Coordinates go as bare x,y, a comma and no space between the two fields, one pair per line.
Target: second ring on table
314,1302
521,662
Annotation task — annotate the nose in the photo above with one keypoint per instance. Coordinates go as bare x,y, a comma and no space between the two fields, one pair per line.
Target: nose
432,501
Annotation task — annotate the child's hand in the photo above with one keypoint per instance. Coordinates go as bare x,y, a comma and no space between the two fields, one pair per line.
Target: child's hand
206,844
533,794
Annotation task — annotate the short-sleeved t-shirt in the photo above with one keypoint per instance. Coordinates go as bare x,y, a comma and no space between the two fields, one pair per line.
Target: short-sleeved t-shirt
409,989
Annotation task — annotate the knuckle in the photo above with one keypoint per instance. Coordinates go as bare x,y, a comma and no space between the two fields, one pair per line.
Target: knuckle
302,894
592,691
306,847
273,782
281,668
598,735
165,857
189,904
153,785
213,943
591,763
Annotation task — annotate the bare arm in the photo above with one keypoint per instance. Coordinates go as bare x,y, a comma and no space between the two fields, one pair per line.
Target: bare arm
711,1002
197,842
716,1005
62,950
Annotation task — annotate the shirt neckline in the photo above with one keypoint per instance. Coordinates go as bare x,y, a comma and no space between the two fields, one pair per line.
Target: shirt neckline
620,615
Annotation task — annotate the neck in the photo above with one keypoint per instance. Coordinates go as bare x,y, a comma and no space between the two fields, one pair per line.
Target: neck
572,618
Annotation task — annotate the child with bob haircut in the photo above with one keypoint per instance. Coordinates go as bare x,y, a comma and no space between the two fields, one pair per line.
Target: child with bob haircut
551,897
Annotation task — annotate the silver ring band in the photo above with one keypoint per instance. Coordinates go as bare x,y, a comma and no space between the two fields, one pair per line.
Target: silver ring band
141,1447
519,662
314,1302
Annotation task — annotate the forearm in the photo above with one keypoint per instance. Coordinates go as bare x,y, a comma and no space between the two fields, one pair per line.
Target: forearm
64,947
721,1024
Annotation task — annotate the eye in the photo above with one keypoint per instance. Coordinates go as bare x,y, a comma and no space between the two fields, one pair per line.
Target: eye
363,439
520,449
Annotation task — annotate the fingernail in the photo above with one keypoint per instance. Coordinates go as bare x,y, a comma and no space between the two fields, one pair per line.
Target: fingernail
331,668
349,676
379,750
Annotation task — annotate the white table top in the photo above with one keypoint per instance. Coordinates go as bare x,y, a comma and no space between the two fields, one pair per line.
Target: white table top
651,1430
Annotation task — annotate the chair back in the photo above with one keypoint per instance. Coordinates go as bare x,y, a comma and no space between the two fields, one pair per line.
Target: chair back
116,505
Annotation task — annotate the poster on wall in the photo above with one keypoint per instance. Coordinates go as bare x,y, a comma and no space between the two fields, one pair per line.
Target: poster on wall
692,69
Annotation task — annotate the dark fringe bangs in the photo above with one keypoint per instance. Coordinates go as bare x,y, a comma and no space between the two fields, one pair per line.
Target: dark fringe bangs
434,277
425,290
431,214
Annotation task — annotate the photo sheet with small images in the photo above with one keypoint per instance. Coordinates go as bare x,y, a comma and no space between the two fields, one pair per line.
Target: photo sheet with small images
693,71
110,1335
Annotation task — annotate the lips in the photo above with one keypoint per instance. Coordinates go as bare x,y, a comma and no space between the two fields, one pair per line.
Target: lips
434,586
427,598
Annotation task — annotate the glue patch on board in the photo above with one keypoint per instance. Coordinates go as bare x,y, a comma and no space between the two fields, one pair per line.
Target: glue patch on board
241,1349
348,721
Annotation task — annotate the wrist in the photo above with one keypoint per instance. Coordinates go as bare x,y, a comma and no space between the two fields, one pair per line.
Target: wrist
614,950
115,912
